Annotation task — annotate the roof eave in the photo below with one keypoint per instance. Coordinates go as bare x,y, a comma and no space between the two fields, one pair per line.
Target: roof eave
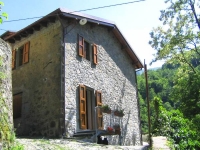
92,19
44,19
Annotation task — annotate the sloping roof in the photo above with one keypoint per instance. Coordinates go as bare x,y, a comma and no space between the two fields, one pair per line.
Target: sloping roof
64,13
7,34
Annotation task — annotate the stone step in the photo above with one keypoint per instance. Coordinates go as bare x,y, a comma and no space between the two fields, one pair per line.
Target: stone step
84,133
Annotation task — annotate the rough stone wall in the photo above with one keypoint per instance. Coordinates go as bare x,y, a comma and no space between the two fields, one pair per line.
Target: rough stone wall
6,83
39,82
114,75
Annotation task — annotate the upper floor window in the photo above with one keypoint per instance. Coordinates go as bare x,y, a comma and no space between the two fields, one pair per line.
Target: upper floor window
21,55
87,50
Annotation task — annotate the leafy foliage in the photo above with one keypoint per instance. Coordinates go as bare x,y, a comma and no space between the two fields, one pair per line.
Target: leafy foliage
169,106
179,43
173,125
3,14
179,34
177,84
186,92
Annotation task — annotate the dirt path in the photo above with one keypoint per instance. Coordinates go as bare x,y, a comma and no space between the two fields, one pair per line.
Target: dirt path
64,144
160,143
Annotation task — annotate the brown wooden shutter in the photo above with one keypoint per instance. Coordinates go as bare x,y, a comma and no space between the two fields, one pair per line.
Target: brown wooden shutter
99,112
80,46
83,114
26,52
95,54
13,59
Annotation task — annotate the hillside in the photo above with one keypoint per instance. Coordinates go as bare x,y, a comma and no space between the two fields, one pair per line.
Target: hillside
174,103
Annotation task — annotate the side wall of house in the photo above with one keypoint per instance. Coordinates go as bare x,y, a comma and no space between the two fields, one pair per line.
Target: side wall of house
39,82
6,115
114,76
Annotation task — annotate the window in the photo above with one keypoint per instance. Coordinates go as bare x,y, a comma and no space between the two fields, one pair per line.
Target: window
87,51
20,56
17,105
88,101
20,52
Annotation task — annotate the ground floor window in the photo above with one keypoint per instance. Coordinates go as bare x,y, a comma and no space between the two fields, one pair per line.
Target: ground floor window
17,105
88,100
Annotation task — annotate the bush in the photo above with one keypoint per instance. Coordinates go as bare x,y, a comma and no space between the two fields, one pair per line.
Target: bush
182,133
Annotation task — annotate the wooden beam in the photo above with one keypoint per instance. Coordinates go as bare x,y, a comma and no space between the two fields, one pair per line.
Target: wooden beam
30,31
24,34
72,20
44,23
11,40
36,27
93,25
123,47
17,37
62,16
110,29
52,19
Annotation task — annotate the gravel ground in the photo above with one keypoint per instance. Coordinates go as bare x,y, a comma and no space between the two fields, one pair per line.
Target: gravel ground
160,143
66,144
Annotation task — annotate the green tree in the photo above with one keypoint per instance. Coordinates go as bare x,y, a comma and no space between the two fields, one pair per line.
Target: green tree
186,92
3,14
143,115
160,80
179,34
180,131
177,42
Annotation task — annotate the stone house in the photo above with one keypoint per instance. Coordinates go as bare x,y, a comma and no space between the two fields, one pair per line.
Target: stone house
61,72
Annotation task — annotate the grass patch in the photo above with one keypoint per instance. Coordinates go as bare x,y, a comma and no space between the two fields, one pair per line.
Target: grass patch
17,146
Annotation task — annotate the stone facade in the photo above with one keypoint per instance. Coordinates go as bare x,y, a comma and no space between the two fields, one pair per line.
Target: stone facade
39,82
6,116
114,76
50,81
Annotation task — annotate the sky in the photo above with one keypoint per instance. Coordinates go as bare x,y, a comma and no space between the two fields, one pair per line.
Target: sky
135,20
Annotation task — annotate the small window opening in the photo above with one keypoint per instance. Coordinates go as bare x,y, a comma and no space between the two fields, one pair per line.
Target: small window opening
20,51
87,50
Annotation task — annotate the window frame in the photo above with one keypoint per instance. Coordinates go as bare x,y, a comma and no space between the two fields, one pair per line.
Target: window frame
92,49
20,56
87,121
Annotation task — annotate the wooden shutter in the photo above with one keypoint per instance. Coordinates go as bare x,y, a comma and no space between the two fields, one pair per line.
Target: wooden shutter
99,112
80,46
13,59
83,114
95,54
26,52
